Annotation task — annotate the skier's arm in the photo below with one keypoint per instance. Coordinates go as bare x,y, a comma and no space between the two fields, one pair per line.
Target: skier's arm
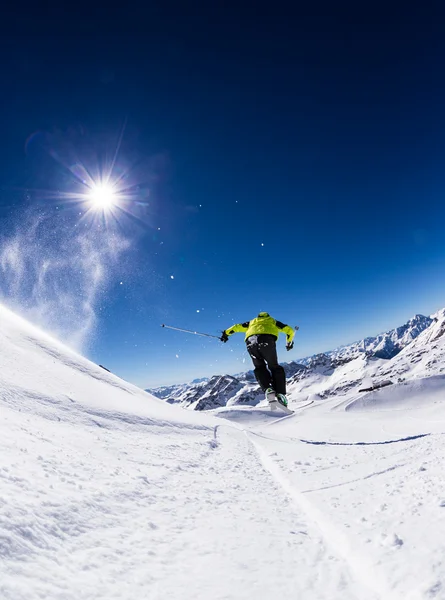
287,329
238,328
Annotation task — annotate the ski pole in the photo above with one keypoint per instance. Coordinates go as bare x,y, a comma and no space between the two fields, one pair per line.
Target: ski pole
193,332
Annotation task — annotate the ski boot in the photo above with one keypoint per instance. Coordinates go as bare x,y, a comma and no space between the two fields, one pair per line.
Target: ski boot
281,399
271,398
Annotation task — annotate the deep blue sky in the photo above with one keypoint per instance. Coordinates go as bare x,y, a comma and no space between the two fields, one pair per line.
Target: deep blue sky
294,164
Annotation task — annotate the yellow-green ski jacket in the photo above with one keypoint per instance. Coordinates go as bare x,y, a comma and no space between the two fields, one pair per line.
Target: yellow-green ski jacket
263,323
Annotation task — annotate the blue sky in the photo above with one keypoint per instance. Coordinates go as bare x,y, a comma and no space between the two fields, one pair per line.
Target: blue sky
293,166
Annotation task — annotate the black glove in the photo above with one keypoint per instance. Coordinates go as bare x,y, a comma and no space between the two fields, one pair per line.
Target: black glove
224,338
289,346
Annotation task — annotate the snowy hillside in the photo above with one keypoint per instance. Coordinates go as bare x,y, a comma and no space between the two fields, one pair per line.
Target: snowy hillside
109,493
323,374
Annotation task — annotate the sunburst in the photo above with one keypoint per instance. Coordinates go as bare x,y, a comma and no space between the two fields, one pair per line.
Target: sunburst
103,197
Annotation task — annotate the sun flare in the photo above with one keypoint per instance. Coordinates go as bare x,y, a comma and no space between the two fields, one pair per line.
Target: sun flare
102,197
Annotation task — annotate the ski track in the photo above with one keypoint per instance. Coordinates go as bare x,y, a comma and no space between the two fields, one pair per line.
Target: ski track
361,569
381,531
312,569
327,443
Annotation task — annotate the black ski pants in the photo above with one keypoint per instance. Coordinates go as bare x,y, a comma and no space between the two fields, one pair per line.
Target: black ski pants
263,352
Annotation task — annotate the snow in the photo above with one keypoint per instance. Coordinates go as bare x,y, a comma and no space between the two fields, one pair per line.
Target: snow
107,492
403,395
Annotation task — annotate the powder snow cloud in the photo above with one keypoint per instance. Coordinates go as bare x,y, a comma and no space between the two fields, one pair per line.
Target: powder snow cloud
56,272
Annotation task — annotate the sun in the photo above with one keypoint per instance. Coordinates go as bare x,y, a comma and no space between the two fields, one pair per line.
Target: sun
102,196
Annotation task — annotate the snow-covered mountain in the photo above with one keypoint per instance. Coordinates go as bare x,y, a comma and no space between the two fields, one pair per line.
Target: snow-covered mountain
323,374
421,354
220,390
386,345
425,356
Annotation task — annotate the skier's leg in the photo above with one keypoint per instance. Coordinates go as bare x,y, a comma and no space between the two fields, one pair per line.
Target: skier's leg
269,353
263,377
261,372
279,379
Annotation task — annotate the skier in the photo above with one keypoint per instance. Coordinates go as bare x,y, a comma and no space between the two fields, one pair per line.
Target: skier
261,336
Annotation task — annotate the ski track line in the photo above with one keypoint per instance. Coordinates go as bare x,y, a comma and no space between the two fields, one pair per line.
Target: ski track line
335,485
405,439
360,566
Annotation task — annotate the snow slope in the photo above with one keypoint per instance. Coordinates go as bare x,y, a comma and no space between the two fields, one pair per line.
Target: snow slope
109,493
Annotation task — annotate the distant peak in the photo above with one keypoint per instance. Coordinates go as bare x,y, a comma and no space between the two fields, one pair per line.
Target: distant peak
417,318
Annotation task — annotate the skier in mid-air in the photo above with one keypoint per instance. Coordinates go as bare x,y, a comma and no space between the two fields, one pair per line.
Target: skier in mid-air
261,337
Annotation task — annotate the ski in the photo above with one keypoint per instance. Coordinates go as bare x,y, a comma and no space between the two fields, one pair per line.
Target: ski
285,409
